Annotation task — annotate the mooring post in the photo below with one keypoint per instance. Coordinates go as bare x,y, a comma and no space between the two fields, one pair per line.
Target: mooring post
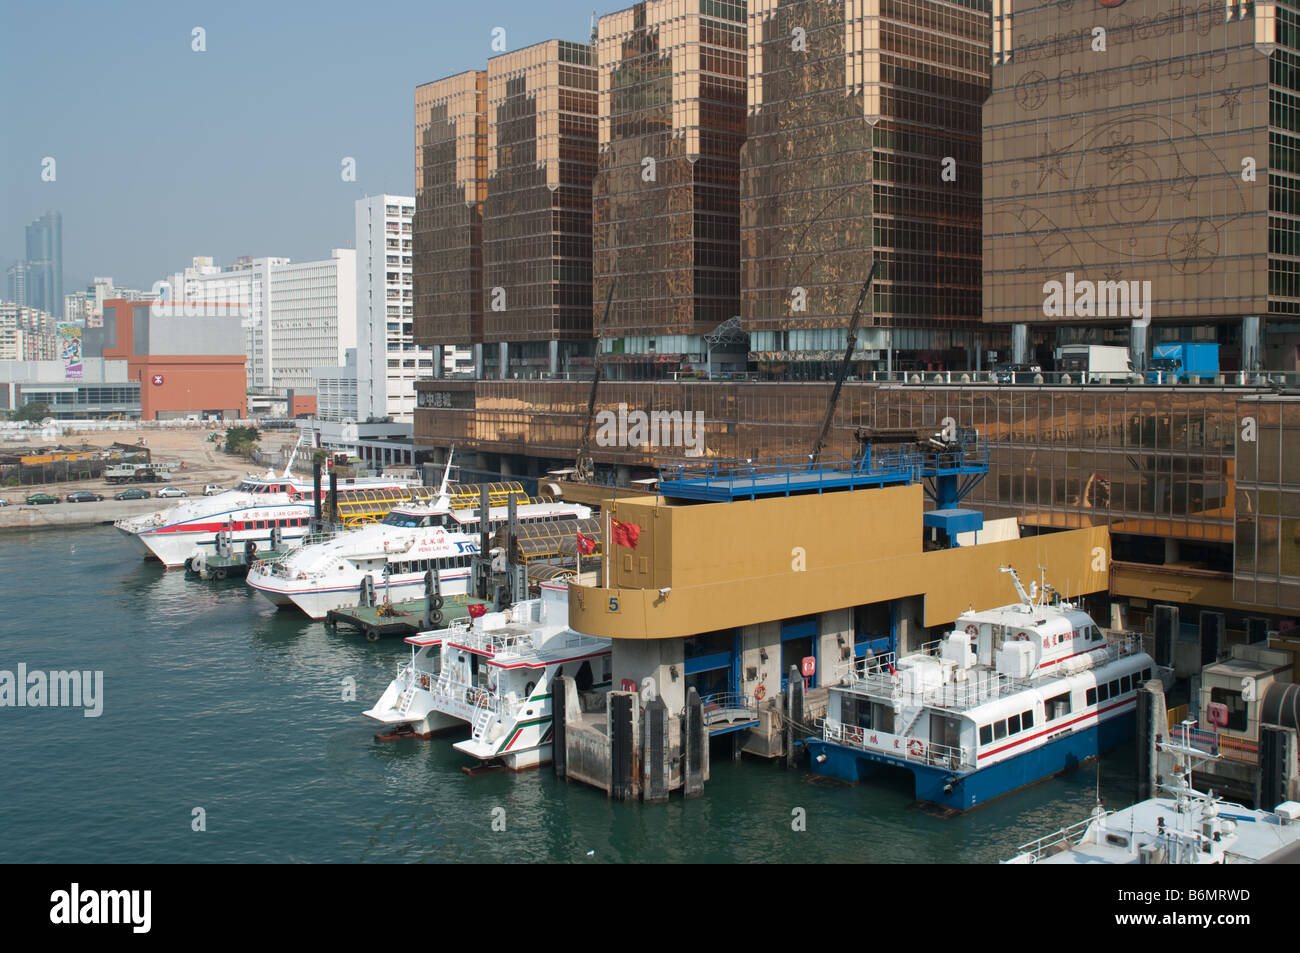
1152,731
793,714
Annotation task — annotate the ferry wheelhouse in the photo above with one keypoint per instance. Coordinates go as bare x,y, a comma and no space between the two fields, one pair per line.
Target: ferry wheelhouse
494,675
250,512
1008,697
393,554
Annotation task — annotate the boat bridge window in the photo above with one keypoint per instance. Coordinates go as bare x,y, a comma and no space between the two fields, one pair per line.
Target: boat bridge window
1057,707
1090,698
986,734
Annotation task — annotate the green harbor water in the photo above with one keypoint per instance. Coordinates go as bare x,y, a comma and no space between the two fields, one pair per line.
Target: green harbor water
214,700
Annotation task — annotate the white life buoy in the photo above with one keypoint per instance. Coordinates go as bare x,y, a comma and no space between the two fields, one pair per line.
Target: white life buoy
972,629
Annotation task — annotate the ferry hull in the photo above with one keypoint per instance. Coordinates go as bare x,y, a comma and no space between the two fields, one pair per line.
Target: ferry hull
961,792
317,602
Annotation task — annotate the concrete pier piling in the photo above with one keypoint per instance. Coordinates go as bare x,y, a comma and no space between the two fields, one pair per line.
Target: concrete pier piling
1152,730
657,752
794,712
623,716
562,690
695,746
1278,779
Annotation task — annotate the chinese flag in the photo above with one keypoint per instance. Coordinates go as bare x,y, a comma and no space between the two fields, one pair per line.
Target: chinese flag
476,610
625,534
586,545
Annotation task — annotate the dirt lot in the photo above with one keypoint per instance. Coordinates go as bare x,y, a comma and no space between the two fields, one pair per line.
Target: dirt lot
204,462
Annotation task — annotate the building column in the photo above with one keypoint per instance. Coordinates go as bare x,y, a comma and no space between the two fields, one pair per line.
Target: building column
1138,346
478,361
503,356
554,356
437,361
1019,344
1252,343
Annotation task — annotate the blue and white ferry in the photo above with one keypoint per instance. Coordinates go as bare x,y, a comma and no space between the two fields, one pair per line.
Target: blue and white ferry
1010,696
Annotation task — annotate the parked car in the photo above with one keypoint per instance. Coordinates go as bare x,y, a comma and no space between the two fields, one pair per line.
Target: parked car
172,491
1016,373
135,493
40,499
212,489
4,502
83,496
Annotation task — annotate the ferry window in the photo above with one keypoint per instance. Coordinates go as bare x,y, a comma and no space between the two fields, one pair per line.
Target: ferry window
1146,674
986,734
1096,634
1027,720
1126,684
1013,724
1114,688
1058,706
1236,707
1103,691
1092,697
999,729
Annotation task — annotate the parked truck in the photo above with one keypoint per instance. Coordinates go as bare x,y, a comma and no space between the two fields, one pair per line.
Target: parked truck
1177,363
138,473
1094,363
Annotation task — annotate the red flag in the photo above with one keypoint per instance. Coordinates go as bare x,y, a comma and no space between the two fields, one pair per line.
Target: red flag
625,534
892,670
586,545
477,609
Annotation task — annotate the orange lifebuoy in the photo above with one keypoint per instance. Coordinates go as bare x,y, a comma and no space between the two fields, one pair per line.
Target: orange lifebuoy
1021,637
916,747
759,693
972,629
424,682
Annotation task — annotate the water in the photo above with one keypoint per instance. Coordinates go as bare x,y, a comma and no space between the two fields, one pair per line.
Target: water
215,700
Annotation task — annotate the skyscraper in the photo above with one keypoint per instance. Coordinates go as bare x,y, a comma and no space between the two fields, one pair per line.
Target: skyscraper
45,263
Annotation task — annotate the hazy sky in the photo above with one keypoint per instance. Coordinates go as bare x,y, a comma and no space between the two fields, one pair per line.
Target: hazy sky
163,153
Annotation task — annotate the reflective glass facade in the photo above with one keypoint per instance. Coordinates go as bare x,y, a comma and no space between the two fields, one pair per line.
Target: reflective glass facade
666,196
450,185
1266,565
1161,151
541,140
864,142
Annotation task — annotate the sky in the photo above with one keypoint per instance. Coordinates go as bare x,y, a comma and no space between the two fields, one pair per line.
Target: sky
162,153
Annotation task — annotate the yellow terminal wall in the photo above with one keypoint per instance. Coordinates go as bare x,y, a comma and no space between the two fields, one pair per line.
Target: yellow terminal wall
747,562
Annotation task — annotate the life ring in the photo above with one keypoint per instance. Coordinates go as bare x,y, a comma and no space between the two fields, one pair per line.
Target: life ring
972,629
302,575
759,693
916,747
1021,637
424,682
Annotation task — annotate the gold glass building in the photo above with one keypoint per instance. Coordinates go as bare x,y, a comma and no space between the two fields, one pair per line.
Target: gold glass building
541,152
863,142
450,186
1146,150
666,196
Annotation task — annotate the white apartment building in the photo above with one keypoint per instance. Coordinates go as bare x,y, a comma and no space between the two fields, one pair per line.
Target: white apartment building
299,315
388,362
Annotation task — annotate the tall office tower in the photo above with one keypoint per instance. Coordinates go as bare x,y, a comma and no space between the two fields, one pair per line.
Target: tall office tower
542,108
16,277
864,143
665,201
388,361
45,263
450,182
1143,177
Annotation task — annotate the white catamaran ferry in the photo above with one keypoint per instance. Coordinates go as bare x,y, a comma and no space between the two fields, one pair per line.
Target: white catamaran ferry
395,554
1185,826
251,511
1008,697
494,675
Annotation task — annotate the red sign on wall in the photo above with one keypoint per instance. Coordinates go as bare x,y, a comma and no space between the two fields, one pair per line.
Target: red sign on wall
157,380
808,668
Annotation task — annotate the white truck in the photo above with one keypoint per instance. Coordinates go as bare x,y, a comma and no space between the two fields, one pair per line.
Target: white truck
1094,363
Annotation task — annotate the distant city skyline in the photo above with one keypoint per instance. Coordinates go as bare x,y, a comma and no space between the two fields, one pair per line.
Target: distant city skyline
162,152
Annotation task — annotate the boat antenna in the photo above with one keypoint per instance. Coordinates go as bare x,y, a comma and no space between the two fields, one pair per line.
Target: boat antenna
289,466
446,473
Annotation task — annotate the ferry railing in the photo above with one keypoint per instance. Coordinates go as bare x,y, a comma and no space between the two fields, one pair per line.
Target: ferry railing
949,757
1060,840
465,693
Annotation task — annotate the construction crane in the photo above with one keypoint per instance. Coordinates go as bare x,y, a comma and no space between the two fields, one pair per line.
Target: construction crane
584,467
844,366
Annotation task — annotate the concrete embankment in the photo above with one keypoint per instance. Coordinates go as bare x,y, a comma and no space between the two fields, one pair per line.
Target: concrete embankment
57,515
